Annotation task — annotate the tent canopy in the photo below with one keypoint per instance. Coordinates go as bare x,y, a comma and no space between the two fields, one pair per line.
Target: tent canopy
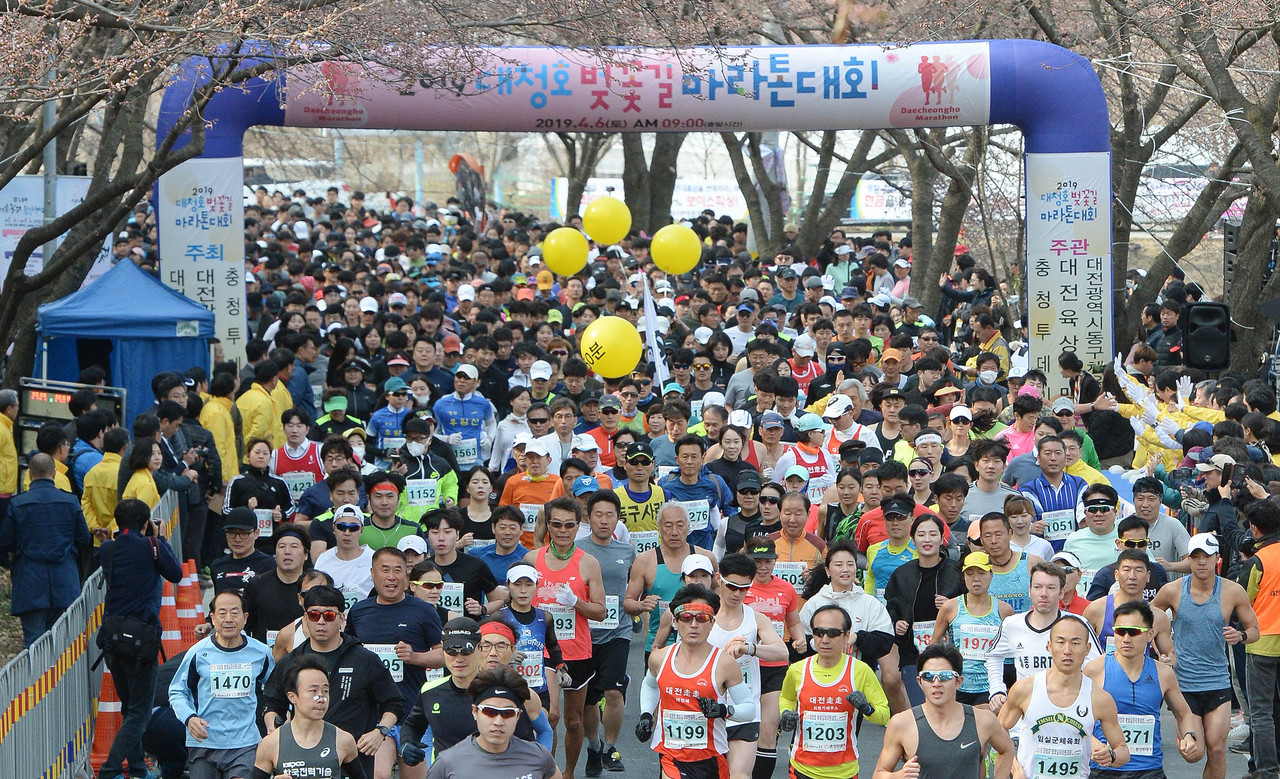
129,322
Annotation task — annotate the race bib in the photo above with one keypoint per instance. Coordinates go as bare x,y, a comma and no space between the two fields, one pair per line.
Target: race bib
451,596
468,451
1059,524
1056,761
791,573
816,492
564,620
298,482
1111,646
530,511
392,445
1086,580
976,641
824,731
484,543
231,680
684,730
611,615
390,660
350,596
271,637
779,627
421,492
922,634
1139,733
530,669
266,522
699,512
435,673
665,470
644,540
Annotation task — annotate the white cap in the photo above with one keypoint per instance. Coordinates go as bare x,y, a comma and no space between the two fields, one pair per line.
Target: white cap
540,370
713,399
830,301
703,335
585,443
522,439
668,302
412,544
536,446
901,263
320,304
1203,542
844,248
881,300
517,572
837,406
696,562
740,417
468,370
961,411
1216,463
635,279
829,282
466,292
804,346
369,305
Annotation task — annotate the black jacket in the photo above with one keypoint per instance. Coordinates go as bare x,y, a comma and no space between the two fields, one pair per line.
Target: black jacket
902,590
361,689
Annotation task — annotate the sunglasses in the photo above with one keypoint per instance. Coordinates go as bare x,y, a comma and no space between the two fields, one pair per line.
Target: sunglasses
640,461
400,394
630,394
1130,632
495,712
560,353
1098,509
828,632
736,587
920,472
961,421
543,421
699,617
770,500
680,366
347,527
702,366
562,525
1140,543
466,649
928,338
610,411
430,585
930,677
328,615
748,491
1069,569
833,359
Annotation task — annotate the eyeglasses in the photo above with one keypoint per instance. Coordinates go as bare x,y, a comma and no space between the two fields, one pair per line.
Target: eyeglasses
542,421
680,366
748,491
494,646
630,394
920,472
828,632
1140,543
347,527
328,615
702,366
770,500
698,617
1130,631
561,525
929,677
640,461
465,649
1098,509
495,712
735,587
430,585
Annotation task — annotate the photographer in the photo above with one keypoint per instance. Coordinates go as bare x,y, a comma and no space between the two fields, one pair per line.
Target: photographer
1224,495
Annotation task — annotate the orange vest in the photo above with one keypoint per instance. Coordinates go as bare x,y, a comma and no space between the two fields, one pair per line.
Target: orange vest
824,735
575,645
680,721
1267,604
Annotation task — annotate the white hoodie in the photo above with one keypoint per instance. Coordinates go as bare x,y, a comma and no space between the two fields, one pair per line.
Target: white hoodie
866,612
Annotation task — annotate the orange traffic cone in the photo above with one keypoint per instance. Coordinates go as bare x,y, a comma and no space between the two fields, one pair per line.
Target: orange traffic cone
171,632
107,724
187,598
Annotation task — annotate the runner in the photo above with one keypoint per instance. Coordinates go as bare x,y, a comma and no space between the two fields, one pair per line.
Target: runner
297,630
655,575
1139,684
530,490
944,737
534,638
971,622
497,697
1054,494
1054,710
642,500
682,700
480,593
747,636
1206,609
215,693
884,557
505,551
704,495
1131,577
822,695
1010,570
349,563
307,745
1132,533
237,568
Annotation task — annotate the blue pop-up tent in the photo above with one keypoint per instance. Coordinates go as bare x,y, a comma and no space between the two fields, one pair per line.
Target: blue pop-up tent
147,328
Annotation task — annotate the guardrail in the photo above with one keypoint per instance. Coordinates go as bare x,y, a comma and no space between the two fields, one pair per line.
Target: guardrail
46,730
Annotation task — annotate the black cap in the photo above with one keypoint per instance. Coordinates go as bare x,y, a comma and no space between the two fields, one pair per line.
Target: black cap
900,505
892,392
639,448
749,478
762,549
240,518
461,633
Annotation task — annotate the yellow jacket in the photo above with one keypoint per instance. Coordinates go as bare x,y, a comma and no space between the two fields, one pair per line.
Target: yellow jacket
60,479
142,485
216,418
101,494
259,416
1148,443
1087,472
8,457
283,401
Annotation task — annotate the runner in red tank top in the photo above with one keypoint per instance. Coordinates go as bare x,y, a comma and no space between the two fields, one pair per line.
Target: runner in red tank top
571,591
298,462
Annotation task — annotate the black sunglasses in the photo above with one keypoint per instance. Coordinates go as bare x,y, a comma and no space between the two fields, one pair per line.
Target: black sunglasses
770,500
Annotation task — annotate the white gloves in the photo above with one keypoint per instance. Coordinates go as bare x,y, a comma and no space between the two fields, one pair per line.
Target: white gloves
565,596
454,439
1168,427
1184,390
1166,440
1138,427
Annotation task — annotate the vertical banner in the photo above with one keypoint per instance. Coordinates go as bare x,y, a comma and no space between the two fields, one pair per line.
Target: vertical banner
1069,261
201,220
652,341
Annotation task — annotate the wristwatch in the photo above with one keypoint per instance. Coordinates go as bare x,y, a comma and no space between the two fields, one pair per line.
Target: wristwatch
384,730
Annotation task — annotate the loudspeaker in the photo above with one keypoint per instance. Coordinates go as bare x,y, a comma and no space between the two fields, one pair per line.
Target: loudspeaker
1206,335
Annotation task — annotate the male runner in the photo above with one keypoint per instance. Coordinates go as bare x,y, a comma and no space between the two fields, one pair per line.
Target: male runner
655,574
1131,577
307,745
943,737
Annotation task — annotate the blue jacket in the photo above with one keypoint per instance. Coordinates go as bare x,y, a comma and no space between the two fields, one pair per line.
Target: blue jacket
86,456
134,569
221,686
40,538
300,388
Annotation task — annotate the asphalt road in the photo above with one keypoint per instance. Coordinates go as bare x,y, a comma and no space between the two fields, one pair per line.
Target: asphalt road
641,761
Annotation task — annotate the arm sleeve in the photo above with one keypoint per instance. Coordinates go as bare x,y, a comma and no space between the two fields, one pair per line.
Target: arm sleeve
744,704
995,661
649,693
866,682
415,724
873,644
542,732
354,769
554,656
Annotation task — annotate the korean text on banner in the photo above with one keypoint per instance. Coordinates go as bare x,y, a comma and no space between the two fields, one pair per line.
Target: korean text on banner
1068,260
202,241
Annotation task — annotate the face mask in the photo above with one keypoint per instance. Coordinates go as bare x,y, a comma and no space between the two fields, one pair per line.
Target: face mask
422,399
358,451
415,448
987,377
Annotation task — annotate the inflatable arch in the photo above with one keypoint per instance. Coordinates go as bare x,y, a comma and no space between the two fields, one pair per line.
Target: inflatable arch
1052,94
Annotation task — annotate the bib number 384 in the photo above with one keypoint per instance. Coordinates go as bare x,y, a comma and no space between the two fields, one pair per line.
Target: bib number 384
684,730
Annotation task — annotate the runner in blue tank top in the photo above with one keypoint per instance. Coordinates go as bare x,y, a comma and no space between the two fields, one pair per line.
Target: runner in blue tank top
1139,684
971,623
1131,577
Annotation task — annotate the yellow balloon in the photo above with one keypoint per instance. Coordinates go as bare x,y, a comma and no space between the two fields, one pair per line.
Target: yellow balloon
607,220
676,249
611,347
565,251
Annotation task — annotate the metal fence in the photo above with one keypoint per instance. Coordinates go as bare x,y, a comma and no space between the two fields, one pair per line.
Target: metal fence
46,729
166,511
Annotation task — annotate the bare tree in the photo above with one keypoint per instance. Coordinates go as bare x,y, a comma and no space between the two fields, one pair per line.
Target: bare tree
577,157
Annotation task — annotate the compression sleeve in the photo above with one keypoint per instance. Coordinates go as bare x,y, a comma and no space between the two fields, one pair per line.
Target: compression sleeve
744,703
649,694
355,769
542,732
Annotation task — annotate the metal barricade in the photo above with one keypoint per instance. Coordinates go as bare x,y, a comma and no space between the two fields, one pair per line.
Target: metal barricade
46,729
167,513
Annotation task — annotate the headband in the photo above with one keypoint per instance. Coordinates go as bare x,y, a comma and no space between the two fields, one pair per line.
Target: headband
497,692
498,628
290,531
694,608
386,485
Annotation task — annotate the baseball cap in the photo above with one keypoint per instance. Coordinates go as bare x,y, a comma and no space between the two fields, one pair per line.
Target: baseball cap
961,412
468,370
466,292
368,305
810,421
771,419
412,544
703,334
336,403
891,354
240,518
452,344
545,280
398,359
837,407
749,478
522,571
713,399
977,560
787,273
762,549
461,633
696,562
1064,404
813,282
522,439
1203,542
536,446
798,471
639,449
739,417
901,262
394,384
540,370
899,505
1017,371
880,301
610,401
1069,559
849,293
348,510
910,302
1216,463
672,386
805,346
584,485
585,443
397,299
